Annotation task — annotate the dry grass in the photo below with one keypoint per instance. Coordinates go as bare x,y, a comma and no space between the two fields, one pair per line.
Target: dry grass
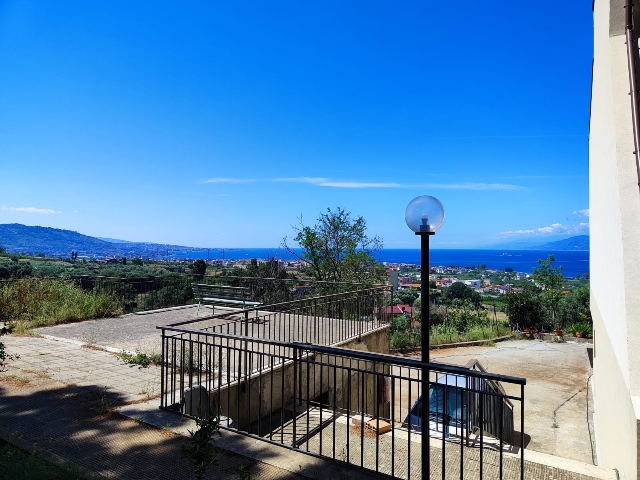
32,303
39,373
15,380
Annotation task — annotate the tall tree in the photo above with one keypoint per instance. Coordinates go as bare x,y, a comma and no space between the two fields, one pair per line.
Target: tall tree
550,278
337,248
199,268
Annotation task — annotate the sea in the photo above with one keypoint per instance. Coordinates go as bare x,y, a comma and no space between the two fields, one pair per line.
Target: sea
573,262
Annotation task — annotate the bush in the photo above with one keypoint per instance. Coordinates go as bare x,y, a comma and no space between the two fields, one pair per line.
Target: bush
581,328
37,303
402,340
4,356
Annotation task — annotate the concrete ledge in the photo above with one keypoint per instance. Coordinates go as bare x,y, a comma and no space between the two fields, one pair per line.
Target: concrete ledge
472,343
569,465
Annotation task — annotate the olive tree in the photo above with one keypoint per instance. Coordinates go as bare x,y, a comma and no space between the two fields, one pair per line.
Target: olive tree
337,248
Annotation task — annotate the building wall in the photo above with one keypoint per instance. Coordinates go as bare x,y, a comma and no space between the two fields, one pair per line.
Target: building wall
615,245
615,418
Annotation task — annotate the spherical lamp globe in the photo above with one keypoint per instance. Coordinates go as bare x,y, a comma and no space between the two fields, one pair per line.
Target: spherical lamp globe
424,214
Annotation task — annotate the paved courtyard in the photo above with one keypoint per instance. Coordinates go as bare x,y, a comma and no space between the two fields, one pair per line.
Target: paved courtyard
556,392
558,402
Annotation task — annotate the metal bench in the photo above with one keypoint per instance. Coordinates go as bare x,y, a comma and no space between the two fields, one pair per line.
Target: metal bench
222,295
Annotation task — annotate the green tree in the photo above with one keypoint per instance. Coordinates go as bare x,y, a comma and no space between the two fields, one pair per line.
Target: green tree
575,307
460,291
337,248
199,268
524,309
547,275
406,297
266,280
550,278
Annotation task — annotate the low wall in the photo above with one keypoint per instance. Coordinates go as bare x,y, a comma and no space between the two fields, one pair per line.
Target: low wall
352,384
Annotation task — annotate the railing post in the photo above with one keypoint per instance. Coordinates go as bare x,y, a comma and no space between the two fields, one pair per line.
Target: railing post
522,432
294,389
162,371
246,344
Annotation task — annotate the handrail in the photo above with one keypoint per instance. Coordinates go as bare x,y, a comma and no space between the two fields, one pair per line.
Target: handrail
346,352
633,81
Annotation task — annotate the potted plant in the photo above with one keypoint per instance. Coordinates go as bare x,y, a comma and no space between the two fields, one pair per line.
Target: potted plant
581,330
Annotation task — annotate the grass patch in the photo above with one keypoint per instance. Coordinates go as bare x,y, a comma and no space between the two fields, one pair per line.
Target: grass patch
15,380
408,339
39,373
141,359
104,404
471,335
20,465
35,303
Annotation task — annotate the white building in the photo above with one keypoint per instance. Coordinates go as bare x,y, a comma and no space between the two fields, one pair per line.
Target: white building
615,241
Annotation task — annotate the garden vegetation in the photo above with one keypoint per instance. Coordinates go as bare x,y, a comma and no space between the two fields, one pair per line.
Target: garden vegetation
31,303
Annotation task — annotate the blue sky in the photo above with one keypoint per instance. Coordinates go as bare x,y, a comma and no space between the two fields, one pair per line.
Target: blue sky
218,124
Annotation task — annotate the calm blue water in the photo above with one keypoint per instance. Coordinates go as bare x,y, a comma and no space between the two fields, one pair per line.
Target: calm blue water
519,260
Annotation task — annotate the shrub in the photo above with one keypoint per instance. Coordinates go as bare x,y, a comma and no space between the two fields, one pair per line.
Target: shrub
37,303
140,358
199,450
581,328
4,356
402,340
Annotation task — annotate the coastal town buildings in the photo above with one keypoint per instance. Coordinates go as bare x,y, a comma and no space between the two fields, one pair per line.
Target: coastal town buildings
614,209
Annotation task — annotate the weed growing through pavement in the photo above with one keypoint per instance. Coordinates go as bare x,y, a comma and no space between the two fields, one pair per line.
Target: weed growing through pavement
149,390
199,450
92,337
104,406
141,359
244,473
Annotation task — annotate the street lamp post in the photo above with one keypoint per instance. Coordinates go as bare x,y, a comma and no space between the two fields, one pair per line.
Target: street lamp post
424,215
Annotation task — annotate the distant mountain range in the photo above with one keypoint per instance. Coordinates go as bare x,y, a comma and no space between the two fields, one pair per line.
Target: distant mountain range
55,242
577,243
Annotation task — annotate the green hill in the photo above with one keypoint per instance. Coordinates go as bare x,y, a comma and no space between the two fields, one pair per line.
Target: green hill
18,238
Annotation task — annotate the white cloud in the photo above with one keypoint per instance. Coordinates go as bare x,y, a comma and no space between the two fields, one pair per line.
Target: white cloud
554,228
360,185
582,213
28,210
471,186
228,180
326,182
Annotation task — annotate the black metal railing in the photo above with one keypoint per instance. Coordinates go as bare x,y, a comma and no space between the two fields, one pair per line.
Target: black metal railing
356,407
139,294
324,320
